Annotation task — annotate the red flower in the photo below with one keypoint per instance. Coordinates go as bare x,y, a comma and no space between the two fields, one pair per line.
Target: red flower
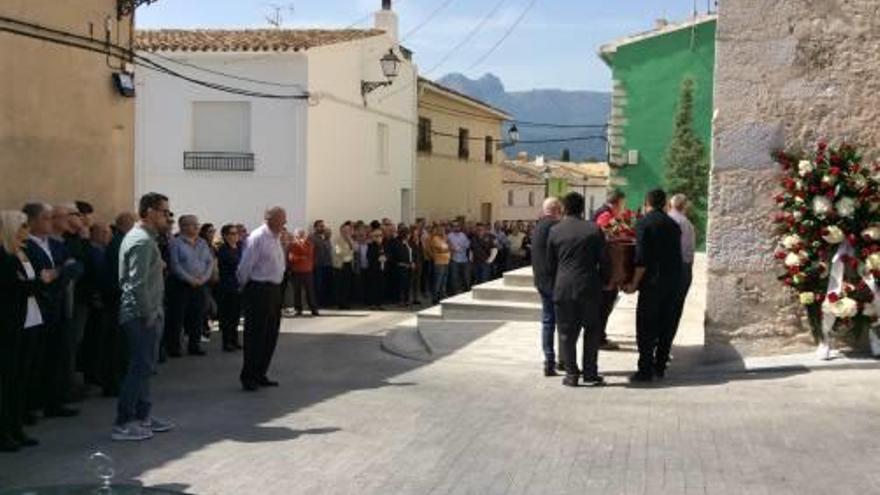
833,297
834,171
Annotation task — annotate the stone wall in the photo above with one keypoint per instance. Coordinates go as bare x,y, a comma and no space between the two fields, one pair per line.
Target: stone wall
788,73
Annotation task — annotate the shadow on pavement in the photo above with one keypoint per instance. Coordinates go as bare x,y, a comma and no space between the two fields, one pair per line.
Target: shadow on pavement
203,397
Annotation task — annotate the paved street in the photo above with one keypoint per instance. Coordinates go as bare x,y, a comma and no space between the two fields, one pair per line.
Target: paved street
350,418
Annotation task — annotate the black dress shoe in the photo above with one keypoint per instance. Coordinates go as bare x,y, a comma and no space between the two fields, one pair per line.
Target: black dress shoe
25,441
196,352
265,382
560,366
550,371
659,374
594,381
9,445
228,348
174,354
316,313
249,386
570,381
60,412
641,377
608,345
237,346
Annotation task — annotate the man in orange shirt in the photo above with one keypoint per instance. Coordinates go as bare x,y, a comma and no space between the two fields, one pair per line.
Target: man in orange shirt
301,263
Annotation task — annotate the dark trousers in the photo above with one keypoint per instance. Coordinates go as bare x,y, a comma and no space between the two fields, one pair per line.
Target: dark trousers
143,345
655,326
53,362
375,286
571,317
482,273
344,280
262,322
324,285
404,273
358,285
229,312
427,281
687,277
112,350
441,276
458,277
392,284
609,298
186,306
18,377
304,283
548,327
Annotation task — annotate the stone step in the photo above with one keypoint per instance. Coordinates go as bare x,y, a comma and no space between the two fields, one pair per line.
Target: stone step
498,291
520,278
465,307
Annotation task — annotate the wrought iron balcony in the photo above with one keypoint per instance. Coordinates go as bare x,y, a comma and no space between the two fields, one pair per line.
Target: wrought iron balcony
217,161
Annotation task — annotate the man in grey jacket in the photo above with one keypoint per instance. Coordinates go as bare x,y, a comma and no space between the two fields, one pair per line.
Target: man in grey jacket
141,315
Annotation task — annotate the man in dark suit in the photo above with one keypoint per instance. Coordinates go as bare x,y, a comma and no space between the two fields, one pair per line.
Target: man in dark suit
48,254
578,260
657,278
551,212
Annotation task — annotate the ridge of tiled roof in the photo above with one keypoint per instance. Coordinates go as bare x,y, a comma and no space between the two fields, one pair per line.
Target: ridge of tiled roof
245,40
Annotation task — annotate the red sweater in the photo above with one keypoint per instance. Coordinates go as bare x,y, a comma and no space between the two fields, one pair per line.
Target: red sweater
301,257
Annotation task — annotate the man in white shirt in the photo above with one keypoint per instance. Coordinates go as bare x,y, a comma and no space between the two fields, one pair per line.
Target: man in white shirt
261,273
678,207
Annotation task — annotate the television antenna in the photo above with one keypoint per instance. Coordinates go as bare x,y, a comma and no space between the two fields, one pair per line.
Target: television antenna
275,18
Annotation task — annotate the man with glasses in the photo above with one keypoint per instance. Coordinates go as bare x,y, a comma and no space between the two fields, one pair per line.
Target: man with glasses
141,315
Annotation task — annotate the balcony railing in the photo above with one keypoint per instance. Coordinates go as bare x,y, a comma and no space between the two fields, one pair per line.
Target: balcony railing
218,161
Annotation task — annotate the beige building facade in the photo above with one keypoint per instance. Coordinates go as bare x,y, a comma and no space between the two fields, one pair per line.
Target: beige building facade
65,130
788,74
524,185
458,165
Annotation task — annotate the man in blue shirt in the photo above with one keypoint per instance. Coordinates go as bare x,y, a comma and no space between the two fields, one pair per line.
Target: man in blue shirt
191,264
459,269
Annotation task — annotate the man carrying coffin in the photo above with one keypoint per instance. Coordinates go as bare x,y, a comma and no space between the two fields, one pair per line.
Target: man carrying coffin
578,262
657,278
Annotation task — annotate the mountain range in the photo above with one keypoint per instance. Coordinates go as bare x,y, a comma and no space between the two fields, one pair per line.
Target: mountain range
543,106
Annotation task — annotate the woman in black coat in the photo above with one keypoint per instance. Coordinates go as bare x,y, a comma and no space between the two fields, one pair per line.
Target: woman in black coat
20,329
376,266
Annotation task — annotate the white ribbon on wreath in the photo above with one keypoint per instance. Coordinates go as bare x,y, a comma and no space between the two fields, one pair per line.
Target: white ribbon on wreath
835,286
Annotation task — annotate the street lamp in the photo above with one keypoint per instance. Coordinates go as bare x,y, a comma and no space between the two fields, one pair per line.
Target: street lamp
546,175
512,138
390,69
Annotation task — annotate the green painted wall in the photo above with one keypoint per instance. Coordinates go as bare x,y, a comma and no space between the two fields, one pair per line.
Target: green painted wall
651,72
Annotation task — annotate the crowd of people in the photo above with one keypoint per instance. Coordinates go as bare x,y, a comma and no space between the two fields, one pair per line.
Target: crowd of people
573,269
97,305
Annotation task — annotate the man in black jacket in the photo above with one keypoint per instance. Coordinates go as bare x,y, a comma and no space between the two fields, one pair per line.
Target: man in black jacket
657,278
551,212
578,260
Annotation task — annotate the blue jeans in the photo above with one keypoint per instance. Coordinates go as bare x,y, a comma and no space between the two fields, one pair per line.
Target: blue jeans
548,326
482,273
441,274
134,394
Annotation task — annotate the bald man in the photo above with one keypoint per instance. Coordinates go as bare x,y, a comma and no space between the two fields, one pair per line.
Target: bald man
551,213
261,273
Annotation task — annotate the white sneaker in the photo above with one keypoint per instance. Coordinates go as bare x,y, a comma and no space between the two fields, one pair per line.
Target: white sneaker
155,425
130,432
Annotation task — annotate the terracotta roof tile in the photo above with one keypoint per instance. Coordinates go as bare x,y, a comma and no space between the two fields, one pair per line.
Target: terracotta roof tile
245,40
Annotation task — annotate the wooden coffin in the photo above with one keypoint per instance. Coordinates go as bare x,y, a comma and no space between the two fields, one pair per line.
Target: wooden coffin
622,254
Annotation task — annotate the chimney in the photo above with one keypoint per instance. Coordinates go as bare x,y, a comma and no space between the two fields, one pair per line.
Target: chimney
661,23
386,20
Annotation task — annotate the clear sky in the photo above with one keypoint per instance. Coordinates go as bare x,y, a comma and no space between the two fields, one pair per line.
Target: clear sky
553,47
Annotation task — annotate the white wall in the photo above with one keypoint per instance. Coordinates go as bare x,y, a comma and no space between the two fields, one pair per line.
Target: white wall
344,180
278,139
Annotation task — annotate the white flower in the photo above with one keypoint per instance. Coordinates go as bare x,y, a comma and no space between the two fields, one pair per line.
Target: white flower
846,207
791,241
807,298
859,181
845,308
872,232
829,179
805,167
821,206
793,259
873,262
799,185
797,215
833,235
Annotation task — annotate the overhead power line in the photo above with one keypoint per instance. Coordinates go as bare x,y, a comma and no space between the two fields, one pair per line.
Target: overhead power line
473,32
525,123
504,37
426,20
226,74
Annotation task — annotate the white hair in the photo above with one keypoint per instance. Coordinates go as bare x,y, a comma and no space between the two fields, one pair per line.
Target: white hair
679,202
551,205
10,222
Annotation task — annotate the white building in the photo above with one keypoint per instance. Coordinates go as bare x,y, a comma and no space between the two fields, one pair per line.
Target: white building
226,157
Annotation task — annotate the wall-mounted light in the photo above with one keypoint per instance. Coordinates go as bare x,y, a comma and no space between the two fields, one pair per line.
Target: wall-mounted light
512,138
390,69
124,82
